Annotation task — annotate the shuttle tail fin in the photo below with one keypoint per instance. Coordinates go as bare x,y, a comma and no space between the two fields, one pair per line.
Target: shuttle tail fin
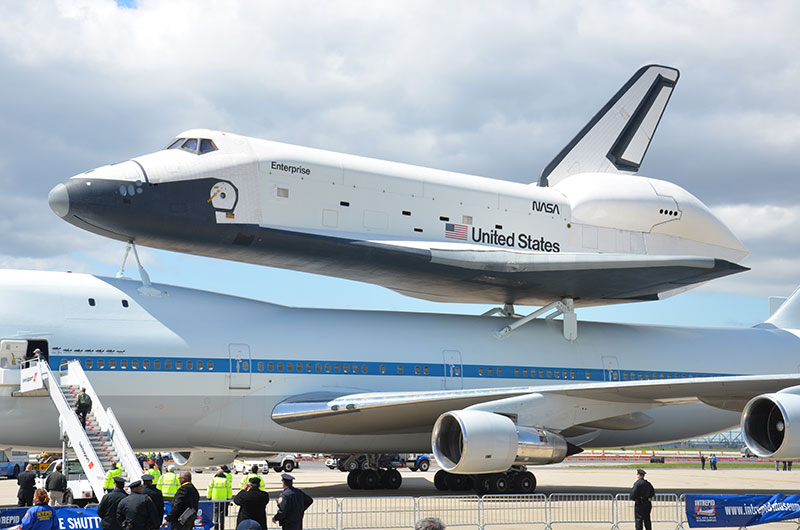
617,138
787,316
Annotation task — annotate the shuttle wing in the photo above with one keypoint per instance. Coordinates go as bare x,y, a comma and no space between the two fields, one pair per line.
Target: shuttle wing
617,138
403,412
527,278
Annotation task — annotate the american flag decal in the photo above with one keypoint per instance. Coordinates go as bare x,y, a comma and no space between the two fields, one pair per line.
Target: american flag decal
454,231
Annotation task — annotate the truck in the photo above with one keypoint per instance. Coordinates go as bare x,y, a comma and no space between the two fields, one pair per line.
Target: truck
79,489
286,462
12,462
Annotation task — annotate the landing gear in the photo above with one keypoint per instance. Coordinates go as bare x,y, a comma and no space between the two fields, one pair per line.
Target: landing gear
370,479
515,480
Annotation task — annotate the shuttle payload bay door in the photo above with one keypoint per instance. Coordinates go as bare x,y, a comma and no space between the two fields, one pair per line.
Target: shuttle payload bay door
241,366
610,368
452,370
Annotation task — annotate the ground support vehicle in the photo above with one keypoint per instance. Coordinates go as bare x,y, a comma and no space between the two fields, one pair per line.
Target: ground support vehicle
79,489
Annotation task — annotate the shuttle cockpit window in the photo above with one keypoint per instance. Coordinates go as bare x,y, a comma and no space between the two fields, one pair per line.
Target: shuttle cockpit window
175,144
206,146
190,145
198,146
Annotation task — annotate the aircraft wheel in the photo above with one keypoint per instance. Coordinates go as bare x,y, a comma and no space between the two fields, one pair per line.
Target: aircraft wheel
456,482
68,499
440,480
352,479
424,465
288,466
368,480
481,484
392,479
351,466
498,483
524,482
364,464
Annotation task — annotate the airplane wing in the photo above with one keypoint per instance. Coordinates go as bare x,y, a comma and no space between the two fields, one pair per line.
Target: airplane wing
398,412
617,138
527,278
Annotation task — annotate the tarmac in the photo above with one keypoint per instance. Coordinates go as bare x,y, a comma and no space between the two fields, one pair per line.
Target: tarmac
319,481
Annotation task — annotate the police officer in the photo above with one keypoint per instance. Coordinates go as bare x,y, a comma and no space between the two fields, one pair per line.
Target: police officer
252,503
137,511
107,509
292,503
155,495
168,483
111,475
641,494
40,517
253,474
218,493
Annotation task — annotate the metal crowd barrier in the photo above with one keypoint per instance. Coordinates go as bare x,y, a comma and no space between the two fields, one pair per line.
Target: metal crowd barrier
667,509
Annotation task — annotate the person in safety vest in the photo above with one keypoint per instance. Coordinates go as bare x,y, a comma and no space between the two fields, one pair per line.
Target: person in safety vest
253,473
153,471
114,472
218,493
168,483
225,469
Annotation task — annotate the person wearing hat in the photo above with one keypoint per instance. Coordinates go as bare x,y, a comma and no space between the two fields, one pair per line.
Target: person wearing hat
292,504
137,511
185,505
253,474
155,495
641,495
252,503
218,493
107,509
225,469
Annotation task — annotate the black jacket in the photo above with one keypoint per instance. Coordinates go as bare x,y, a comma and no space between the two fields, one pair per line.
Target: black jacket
158,499
27,485
642,491
56,482
187,496
137,512
107,509
252,505
292,503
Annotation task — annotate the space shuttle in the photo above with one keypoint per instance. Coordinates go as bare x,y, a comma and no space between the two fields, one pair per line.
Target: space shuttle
588,231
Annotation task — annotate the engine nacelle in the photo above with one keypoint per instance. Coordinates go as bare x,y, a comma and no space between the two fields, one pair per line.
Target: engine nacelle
771,425
203,458
475,441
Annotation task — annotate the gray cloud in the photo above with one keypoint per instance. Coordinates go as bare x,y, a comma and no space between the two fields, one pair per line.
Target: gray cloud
494,90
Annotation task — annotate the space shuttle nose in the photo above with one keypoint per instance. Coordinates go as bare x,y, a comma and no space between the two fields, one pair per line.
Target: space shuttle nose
59,200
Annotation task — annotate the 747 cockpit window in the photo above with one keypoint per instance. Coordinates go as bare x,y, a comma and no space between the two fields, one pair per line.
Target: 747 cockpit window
198,146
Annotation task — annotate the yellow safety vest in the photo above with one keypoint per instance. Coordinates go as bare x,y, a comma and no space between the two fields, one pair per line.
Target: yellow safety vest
218,489
247,478
228,485
113,472
168,484
155,473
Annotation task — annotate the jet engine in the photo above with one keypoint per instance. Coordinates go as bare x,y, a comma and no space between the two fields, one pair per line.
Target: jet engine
475,441
203,458
771,425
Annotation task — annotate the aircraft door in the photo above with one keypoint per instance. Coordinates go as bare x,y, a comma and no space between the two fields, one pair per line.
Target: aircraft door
241,365
452,370
610,368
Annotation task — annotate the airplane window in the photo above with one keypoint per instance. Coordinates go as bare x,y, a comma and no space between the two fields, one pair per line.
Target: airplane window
179,365
91,302
299,367
416,370
458,370
383,368
210,365
280,367
146,364
490,371
588,375
319,367
355,368
363,368
135,364
480,371
572,374
190,145
524,372
541,373
89,363
175,143
199,365
157,364
245,366
189,365
100,363
426,370
499,372
336,368
123,364
289,367
124,303
516,372
549,374
206,146
327,368
400,369
167,365
558,374
308,367
270,367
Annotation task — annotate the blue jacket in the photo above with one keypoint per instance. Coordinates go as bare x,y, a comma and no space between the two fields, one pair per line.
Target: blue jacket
39,517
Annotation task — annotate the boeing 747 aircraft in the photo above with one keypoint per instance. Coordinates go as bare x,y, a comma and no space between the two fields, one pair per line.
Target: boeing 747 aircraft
210,375
589,230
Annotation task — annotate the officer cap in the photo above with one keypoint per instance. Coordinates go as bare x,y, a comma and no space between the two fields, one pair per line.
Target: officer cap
147,478
255,481
136,484
225,468
287,477
119,481
641,472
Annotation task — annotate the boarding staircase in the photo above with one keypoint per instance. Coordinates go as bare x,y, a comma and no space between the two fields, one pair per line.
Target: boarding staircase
102,443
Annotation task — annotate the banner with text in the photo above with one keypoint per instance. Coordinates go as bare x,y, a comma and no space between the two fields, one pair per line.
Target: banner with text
740,510
86,518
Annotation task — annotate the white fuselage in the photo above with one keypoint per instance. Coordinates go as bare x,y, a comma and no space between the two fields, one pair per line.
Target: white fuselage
193,369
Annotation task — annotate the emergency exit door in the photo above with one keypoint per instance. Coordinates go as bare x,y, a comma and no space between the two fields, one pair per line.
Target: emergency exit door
610,368
452,370
241,366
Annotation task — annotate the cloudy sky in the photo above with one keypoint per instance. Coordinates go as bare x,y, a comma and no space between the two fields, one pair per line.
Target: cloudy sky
487,88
